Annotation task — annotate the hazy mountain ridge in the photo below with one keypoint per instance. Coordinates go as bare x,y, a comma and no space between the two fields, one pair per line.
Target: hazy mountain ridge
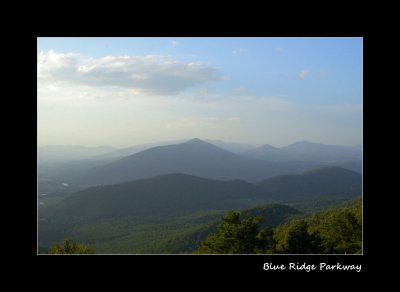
165,194
232,146
301,150
56,153
268,152
194,157
205,161
324,151
168,194
306,151
325,181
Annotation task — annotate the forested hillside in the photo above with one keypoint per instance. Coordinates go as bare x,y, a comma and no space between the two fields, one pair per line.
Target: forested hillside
335,231
174,213
152,233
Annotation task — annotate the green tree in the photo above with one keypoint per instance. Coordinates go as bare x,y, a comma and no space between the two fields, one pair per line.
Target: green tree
70,247
300,241
343,233
266,241
233,236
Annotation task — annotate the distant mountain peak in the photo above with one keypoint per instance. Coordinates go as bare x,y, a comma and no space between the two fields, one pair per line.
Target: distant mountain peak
267,146
197,141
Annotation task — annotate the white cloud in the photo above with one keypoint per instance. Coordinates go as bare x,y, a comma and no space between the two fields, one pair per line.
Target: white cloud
174,43
52,87
239,51
304,73
151,74
315,73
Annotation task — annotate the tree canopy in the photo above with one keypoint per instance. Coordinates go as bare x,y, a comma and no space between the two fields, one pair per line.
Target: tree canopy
233,236
70,247
335,231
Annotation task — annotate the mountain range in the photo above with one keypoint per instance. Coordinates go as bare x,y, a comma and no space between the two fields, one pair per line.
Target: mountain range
173,194
179,193
194,157
316,183
57,153
306,151
166,194
302,150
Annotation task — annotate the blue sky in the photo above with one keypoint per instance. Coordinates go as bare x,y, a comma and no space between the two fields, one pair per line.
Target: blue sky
127,91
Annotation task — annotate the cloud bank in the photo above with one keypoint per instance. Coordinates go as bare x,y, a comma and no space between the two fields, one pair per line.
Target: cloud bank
151,74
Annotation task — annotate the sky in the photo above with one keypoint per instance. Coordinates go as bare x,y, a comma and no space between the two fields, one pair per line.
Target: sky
126,91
